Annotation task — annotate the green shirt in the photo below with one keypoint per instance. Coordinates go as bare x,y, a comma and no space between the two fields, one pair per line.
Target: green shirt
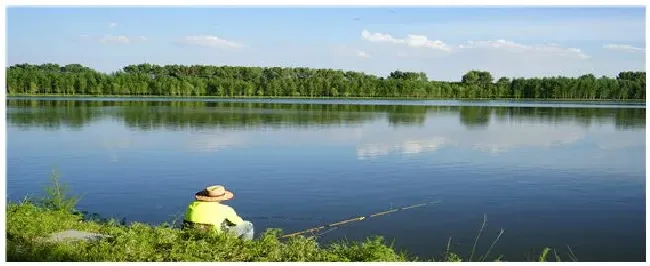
211,213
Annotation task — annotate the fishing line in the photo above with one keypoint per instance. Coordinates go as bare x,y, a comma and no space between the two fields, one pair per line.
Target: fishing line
360,218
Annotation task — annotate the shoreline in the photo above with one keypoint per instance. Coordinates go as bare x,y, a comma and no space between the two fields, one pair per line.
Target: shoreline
637,101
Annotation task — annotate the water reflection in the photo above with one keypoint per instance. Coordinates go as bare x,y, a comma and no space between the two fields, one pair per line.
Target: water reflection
178,115
367,151
371,129
496,138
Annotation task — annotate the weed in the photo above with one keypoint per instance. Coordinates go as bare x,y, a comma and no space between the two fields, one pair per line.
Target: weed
57,197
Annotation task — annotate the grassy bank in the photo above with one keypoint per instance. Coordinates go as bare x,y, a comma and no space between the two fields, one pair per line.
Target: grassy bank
35,95
27,223
30,220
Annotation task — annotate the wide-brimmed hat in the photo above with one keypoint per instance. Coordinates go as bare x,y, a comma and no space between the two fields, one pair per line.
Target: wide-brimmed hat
213,193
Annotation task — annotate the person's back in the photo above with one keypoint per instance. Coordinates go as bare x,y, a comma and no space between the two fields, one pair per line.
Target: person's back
208,212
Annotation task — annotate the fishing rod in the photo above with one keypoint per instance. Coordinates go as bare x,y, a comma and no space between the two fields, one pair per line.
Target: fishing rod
360,218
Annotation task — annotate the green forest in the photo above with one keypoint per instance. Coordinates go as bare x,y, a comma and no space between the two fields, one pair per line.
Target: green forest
228,81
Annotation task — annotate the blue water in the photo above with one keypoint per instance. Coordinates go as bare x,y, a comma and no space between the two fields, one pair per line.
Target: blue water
551,174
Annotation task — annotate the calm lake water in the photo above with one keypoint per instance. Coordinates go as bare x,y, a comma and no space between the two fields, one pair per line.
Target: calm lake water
550,174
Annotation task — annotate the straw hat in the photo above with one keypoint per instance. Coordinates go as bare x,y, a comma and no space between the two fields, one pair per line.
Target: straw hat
214,193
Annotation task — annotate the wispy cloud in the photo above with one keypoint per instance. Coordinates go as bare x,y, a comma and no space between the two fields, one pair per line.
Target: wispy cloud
412,40
112,25
492,44
347,51
363,54
115,39
421,41
510,46
210,41
623,47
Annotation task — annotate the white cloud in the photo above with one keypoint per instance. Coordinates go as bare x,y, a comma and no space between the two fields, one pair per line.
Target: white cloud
421,41
412,40
143,38
539,28
115,39
379,37
363,54
510,46
210,41
624,47
112,25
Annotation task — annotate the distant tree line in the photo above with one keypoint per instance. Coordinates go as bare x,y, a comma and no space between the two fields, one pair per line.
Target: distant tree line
226,81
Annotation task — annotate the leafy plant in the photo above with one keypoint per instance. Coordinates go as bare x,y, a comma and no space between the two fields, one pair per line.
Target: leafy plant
57,197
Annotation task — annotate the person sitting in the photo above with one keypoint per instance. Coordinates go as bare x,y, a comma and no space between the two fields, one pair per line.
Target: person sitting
207,212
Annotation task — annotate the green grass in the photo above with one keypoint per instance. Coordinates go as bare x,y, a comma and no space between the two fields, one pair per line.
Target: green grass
30,220
27,222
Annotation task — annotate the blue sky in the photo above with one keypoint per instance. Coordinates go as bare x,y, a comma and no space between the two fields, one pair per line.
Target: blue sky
442,42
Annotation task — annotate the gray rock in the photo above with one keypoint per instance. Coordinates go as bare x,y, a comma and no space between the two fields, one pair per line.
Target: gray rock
73,235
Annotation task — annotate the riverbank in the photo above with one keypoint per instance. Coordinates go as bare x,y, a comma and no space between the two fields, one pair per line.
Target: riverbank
27,223
31,221
320,98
